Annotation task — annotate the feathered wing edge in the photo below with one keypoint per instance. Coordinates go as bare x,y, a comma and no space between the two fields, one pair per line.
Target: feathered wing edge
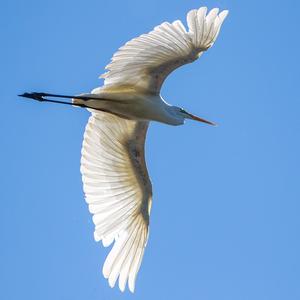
118,191
145,61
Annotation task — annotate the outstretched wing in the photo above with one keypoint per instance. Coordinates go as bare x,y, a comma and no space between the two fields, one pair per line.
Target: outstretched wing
118,191
146,61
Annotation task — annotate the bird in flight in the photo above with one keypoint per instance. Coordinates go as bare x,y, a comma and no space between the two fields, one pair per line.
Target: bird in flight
116,184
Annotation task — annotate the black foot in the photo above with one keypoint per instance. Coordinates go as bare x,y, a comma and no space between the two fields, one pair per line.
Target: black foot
34,96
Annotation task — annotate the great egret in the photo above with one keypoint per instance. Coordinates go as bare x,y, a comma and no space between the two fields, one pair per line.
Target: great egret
115,179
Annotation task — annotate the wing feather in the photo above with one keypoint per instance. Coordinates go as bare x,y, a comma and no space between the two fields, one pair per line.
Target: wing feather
118,191
144,62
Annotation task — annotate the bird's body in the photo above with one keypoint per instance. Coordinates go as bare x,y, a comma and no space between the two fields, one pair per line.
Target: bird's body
134,105
115,179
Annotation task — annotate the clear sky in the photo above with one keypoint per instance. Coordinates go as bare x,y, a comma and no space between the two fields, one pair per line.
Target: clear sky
225,217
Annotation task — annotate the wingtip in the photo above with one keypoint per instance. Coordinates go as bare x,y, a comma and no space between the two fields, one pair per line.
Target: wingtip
111,281
131,289
122,286
223,14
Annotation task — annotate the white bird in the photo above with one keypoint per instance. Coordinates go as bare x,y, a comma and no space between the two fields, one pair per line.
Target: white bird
115,179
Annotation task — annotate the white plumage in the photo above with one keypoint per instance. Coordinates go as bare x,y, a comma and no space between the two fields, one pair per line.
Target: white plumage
115,179
145,62
118,191
116,182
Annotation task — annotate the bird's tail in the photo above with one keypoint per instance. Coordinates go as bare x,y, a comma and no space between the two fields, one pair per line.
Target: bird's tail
91,102
84,100
77,101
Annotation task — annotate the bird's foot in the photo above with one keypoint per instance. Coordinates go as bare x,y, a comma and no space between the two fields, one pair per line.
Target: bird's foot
34,96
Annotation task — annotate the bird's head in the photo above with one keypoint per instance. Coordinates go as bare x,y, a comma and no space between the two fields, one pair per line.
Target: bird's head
182,114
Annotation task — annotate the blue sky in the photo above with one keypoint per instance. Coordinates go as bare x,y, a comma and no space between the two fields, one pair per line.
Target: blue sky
225,216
